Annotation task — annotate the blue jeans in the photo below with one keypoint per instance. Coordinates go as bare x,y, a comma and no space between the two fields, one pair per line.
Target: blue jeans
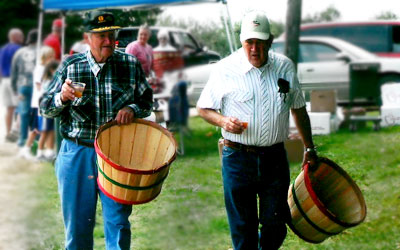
76,172
246,176
24,111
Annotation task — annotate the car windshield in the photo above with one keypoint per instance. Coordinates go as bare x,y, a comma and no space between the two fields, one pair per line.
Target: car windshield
185,40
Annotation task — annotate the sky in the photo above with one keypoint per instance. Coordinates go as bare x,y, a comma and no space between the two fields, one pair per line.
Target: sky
350,10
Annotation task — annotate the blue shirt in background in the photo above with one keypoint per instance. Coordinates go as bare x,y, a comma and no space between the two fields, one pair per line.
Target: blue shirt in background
6,54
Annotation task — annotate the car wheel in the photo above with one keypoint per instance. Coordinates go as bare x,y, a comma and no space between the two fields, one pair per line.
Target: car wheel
389,78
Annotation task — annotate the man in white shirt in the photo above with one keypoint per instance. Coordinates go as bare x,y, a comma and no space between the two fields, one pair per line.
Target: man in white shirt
254,89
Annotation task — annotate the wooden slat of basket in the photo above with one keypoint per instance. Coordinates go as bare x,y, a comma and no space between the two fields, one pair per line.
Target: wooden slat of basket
339,196
126,193
131,195
134,182
170,152
127,141
152,145
115,133
118,192
104,142
161,152
107,169
139,146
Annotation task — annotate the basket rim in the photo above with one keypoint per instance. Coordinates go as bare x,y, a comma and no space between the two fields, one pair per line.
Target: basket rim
131,170
318,202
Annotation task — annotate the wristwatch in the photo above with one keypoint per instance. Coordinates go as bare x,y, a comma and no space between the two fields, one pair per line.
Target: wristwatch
313,149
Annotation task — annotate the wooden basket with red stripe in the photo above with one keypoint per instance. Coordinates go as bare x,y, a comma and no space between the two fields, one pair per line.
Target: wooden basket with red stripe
133,160
324,202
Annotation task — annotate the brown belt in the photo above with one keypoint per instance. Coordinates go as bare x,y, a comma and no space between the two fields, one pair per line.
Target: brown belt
252,149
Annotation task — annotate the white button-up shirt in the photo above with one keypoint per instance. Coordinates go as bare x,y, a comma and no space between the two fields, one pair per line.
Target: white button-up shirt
240,90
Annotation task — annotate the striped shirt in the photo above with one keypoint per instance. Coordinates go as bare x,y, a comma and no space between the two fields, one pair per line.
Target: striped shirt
120,82
238,89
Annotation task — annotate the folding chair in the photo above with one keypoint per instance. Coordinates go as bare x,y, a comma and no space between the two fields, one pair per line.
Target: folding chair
364,90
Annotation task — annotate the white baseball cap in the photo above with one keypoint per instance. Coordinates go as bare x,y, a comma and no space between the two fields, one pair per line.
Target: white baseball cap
255,24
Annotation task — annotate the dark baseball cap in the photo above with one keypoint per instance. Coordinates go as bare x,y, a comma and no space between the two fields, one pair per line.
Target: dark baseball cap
99,21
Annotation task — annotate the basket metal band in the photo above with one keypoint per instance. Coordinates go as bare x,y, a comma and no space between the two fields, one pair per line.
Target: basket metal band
131,187
296,201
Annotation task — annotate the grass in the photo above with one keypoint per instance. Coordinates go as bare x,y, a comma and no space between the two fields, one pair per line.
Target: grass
190,214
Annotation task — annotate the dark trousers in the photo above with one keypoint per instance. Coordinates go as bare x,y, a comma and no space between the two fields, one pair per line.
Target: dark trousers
246,176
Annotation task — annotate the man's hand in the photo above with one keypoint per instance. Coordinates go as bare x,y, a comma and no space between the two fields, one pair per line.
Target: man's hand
67,92
232,125
312,159
125,116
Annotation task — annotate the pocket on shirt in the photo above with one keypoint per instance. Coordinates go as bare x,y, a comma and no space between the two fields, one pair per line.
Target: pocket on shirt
240,102
283,103
122,95
82,109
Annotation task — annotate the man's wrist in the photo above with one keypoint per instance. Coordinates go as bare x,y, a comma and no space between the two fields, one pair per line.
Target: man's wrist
311,149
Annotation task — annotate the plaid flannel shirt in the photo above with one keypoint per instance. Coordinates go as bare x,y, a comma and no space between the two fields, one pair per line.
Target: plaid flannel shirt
119,83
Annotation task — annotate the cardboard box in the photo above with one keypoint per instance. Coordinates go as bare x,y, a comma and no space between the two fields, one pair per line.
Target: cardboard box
294,149
323,101
390,116
390,95
322,123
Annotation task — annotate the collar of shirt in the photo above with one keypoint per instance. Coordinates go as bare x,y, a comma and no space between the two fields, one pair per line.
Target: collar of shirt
246,66
94,66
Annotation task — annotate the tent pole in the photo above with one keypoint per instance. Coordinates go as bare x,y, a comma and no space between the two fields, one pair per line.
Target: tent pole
228,33
63,35
40,28
230,25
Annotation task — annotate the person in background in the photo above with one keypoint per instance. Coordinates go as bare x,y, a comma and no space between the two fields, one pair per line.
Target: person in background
163,42
141,49
80,46
260,87
116,88
46,125
54,38
46,55
9,99
23,64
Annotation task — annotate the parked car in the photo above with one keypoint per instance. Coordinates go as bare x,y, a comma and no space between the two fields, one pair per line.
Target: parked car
323,65
379,37
193,52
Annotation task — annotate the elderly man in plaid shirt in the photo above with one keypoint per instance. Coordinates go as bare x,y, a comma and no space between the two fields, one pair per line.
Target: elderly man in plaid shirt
115,89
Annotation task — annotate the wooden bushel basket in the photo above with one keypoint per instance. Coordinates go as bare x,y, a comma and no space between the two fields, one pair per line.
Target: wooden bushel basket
133,160
324,202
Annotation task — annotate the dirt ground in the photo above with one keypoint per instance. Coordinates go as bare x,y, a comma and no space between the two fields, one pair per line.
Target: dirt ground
15,199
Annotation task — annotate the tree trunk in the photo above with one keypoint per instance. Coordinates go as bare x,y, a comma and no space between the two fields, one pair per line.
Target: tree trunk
293,20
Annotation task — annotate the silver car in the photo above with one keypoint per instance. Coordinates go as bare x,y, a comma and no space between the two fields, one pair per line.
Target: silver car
324,64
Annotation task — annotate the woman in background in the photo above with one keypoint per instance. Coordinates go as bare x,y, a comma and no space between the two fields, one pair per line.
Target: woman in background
46,125
46,55
141,49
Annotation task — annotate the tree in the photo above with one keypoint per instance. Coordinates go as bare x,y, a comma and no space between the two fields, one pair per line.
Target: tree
17,14
328,15
277,28
387,15
212,34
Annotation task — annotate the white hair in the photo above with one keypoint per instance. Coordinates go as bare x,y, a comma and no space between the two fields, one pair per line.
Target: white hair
15,34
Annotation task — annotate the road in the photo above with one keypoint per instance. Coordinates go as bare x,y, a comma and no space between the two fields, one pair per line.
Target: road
16,200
